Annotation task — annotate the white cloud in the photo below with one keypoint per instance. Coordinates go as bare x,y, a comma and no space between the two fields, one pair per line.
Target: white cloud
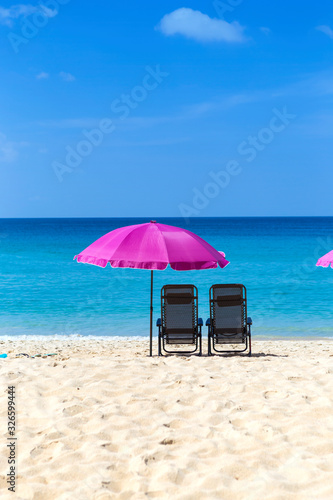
265,30
42,75
7,15
325,29
150,143
67,77
310,85
133,122
200,27
188,112
68,123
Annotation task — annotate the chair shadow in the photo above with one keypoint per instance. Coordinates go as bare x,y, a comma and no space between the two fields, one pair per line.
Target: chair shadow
264,355
253,355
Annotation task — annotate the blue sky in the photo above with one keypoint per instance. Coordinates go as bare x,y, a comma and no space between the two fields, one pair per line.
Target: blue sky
166,108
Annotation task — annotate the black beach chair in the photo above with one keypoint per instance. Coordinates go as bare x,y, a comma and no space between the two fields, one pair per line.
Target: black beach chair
179,324
228,323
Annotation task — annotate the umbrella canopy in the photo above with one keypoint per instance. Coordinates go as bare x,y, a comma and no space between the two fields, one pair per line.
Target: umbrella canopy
152,246
326,260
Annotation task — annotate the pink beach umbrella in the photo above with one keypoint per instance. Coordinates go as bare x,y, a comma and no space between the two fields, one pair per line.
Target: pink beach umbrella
152,246
326,260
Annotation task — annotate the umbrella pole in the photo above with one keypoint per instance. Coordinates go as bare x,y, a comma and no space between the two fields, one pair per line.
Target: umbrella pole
151,314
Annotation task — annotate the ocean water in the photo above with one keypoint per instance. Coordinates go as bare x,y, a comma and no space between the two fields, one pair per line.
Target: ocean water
44,292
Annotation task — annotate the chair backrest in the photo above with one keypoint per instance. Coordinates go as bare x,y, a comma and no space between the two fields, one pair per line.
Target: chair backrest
228,309
179,304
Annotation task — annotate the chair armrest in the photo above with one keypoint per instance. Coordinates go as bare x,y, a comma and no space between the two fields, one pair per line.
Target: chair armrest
159,322
249,321
200,322
208,322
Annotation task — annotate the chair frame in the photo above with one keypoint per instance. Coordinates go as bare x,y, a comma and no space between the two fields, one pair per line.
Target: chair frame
162,331
213,337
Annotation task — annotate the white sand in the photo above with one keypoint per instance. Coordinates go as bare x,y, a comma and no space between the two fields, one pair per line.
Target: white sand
101,420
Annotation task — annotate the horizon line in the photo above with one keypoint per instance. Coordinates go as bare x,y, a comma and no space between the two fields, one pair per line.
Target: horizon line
175,217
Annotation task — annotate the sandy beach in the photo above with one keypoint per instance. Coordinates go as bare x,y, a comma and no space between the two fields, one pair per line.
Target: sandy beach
102,420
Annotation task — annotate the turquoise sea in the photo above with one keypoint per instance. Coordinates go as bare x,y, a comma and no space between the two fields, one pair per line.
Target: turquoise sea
44,292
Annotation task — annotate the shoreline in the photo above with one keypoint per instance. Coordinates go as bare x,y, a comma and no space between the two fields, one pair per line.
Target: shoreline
255,338
73,346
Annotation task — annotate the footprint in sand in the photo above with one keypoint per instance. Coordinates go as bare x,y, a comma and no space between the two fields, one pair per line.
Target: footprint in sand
73,410
275,395
110,447
51,448
176,424
53,435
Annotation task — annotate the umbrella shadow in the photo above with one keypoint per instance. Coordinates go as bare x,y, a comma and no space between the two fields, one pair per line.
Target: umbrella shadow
253,355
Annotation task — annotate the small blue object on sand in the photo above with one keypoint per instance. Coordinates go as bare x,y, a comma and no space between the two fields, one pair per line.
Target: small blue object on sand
3,355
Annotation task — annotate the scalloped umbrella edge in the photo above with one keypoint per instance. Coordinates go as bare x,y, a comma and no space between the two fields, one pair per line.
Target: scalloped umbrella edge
326,260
